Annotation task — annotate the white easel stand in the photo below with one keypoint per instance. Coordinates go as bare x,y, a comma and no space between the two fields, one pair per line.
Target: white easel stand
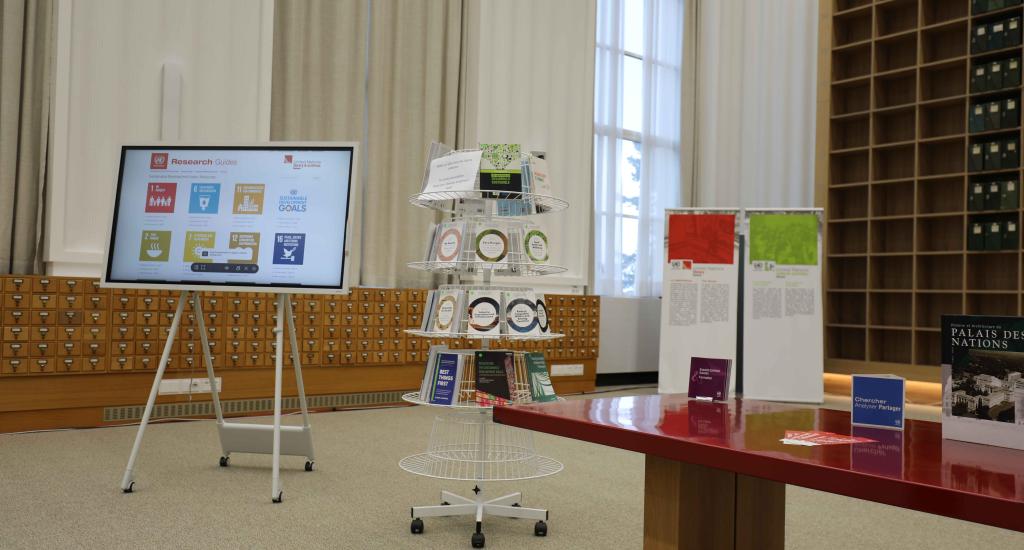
237,437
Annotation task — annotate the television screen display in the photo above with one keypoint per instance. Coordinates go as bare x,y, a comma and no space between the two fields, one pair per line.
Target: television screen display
270,217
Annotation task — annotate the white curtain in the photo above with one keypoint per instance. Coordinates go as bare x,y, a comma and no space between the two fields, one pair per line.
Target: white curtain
384,73
608,69
660,177
756,93
660,174
27,41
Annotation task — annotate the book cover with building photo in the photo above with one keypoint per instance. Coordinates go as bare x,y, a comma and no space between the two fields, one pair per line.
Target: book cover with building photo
982,384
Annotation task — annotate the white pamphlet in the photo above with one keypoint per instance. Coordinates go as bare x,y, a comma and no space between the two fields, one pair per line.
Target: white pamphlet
453,173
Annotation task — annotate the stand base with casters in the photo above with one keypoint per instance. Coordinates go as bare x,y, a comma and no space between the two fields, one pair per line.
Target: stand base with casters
236,437
455,505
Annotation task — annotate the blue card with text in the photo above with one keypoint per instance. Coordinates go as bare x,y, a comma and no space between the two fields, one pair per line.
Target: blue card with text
444,386
877,400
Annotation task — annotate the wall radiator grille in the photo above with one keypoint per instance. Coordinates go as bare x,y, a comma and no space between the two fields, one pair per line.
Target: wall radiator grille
252,406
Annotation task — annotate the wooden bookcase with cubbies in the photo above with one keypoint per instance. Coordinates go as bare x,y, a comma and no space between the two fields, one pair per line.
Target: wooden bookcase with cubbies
898,162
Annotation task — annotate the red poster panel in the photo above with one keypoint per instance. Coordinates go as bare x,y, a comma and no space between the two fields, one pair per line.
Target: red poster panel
703,238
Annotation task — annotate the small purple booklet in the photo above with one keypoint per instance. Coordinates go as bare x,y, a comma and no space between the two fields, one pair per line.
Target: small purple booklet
709,378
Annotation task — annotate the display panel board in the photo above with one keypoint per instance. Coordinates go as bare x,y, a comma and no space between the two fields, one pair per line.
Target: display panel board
271,217
700,292
783,351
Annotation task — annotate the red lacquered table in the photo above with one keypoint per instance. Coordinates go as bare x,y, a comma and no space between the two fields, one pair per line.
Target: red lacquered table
716,473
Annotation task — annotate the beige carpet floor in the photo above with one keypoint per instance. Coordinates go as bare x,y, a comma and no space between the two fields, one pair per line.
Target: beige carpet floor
60,490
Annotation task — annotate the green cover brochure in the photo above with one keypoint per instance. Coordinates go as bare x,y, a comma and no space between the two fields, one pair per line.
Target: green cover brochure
500,169
540,381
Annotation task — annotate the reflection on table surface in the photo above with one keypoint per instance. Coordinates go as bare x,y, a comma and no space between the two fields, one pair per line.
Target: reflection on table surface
675,426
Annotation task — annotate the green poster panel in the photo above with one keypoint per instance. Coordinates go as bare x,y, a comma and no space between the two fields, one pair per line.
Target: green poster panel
786,239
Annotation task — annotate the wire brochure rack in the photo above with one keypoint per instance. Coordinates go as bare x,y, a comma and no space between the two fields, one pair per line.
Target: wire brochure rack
465,444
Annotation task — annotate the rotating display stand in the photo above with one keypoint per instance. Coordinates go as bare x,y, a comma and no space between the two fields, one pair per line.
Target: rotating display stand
465,444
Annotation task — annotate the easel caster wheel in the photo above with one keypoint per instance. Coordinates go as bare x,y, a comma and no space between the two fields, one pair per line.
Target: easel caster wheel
416,527
478,540
309,465
540,529
131,487
280,497
224,461
516,505
446,503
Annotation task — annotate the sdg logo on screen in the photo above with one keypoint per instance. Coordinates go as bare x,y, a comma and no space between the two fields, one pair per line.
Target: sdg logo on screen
160,197
292,202
249,198
204,198
288,248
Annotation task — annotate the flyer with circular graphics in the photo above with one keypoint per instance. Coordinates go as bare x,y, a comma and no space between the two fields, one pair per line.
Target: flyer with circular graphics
520,312
536,245
542,315
492,245
484,308
450,244
447,305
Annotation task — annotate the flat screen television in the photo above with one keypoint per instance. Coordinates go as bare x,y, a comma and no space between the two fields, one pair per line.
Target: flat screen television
259,218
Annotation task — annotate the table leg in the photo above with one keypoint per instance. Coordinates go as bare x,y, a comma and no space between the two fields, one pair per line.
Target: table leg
687,506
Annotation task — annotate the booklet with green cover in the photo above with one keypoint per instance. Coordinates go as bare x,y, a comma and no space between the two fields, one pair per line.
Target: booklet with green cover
540,382
501,169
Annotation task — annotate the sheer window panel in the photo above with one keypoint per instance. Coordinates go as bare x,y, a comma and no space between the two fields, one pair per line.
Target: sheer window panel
637,140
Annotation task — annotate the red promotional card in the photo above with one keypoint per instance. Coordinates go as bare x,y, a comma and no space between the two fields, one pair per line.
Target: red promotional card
703,238
160,197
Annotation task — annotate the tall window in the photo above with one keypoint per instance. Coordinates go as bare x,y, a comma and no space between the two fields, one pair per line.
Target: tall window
636,140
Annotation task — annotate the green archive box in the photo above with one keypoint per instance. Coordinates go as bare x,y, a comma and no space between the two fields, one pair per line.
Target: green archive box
1011,73
979,38
976,236
1011,237
979,78
1010,195
976,157
1010,114
976,196
1012,32
993,115
995,76
993,235
993,195
976,118
996,35
1011,153
993,159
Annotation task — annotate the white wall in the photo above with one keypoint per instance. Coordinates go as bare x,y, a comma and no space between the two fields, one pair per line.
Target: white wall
531,73
109,91
630,332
